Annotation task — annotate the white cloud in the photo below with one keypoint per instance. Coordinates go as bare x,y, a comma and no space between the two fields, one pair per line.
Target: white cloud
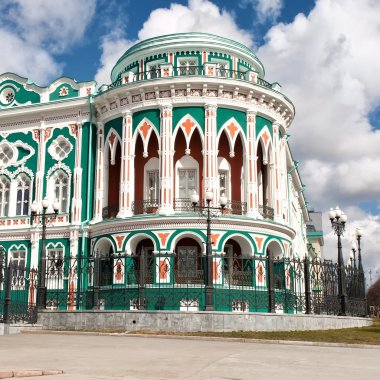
327,63
114,46
265,9
34,30
40,67
55,26
197,16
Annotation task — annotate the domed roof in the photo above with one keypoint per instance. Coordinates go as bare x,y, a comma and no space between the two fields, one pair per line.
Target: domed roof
184,42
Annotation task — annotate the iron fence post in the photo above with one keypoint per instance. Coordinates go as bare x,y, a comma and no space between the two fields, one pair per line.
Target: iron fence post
8,292
341,278
142,275
209,264
271,295
307,286
97,283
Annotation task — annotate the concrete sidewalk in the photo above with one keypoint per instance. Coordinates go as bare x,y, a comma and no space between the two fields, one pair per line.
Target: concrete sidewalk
89,356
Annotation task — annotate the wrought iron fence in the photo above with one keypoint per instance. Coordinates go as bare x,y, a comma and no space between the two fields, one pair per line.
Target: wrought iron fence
176,281
18,287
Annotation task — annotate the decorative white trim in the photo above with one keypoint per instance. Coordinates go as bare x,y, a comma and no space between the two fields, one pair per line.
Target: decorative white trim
55,143
57,166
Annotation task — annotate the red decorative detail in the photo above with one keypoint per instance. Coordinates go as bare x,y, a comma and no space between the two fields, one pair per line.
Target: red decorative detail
120,239
23,221
2,222
163,269
60,219
36,134
111,139
250,119
47,133
232,128
188,125
259,242
9,222
210,71
144,129
214,239
265,137
126,79
15,221
119,271
88,91
63,91
73,130
129,121
163,237
166,72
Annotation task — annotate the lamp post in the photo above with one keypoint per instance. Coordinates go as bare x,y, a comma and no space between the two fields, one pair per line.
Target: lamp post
338,222
359,235
208,270
45,218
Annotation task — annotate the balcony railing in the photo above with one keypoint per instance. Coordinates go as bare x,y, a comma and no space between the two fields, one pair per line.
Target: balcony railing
110,212
146,206
186,71
183,204
267,212
236,208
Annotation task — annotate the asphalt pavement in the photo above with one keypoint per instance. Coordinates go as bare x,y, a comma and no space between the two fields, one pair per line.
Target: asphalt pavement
90,356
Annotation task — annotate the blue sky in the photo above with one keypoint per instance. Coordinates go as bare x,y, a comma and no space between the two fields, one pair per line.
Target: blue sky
325,54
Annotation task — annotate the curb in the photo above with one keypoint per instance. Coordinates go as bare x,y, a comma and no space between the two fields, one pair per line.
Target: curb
207,338
28,373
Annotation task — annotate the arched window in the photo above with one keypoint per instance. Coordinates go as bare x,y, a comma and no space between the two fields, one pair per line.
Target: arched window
4,195
23,195
61,190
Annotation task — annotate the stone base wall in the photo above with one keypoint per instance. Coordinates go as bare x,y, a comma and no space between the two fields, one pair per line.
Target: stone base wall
175,321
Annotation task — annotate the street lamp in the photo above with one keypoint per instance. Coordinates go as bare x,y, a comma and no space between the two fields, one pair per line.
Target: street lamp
359,235
208,272
338,222
45,218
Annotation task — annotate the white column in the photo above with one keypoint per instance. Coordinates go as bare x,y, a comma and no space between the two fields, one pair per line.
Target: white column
210,155
276,173
99,185
166,161
40,173
76,206
127,188
251,175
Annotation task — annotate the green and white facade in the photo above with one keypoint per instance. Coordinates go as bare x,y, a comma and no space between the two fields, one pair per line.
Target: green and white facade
184,112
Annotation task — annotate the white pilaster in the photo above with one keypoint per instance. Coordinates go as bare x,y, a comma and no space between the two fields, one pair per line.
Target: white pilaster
210,155
127,188
276,174
99,185
252,189
76,206
166,161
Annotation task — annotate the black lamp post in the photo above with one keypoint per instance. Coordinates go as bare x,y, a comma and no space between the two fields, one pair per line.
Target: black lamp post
360,264
208,269
338,222
45,218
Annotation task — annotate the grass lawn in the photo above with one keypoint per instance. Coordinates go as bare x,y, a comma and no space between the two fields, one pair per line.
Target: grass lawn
357,335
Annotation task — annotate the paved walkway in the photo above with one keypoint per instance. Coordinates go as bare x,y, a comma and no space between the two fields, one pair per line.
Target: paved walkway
88,356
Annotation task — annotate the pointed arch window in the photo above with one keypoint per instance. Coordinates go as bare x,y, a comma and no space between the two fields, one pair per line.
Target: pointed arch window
23,195
4,195
61,190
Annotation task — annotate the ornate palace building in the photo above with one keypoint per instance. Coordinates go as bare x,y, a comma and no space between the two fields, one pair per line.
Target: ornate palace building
187,117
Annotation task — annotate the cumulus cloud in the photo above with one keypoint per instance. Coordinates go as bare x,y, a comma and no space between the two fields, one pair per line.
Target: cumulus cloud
266,10
113,47
34,31
327,67
197,16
